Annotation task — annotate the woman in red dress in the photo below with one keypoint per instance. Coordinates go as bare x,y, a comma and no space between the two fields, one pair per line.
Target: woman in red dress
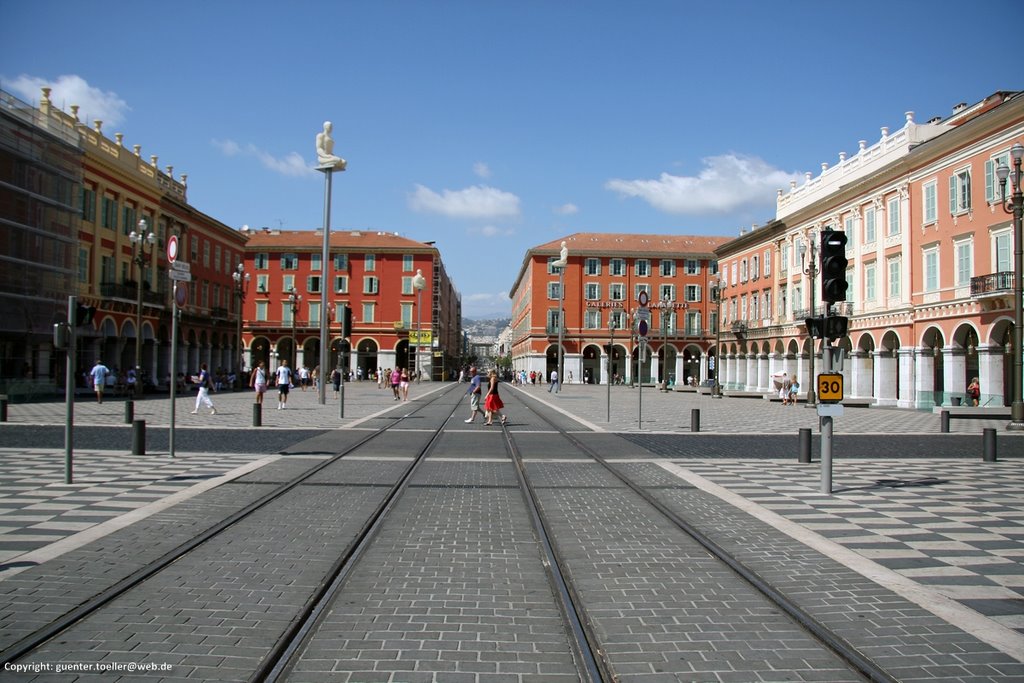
493,404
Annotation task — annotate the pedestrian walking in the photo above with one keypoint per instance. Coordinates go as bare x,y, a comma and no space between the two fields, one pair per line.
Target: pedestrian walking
396,378
493,404
553,386
474,392
336,381
258,381
794,389
99,375
284,384
403,384
974,391
205,385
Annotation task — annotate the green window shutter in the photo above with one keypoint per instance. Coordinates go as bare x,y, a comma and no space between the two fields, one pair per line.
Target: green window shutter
990,177
952,194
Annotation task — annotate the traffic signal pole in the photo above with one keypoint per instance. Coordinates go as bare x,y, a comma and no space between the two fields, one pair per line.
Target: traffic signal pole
825,425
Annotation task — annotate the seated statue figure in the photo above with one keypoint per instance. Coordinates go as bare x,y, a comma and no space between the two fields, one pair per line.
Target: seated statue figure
325,149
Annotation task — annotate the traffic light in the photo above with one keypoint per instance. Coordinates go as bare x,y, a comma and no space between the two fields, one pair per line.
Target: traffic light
84,315
346,322
836,326
833,266
814,327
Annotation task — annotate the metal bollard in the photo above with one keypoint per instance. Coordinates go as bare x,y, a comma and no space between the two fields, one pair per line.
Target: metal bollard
694,419
944,422
3,410
805,445
257,414
129,411
139,437
988,439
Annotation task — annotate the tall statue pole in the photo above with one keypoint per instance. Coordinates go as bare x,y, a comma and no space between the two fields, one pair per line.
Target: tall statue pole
327,163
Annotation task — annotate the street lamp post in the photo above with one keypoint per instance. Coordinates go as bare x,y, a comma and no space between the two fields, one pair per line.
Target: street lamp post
611,352
241,279
563,260
811,271
666,302
418,283
1015,206
716,292
294,299
140,239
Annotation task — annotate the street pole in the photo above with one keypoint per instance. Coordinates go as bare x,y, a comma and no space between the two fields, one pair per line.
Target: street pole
69,389
811,270
241,279
418,282
1017,210
324,284
561,326
611,351
716,389
139,240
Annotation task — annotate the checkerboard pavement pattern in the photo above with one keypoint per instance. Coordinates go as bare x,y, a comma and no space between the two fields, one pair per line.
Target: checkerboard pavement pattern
37,508
954,526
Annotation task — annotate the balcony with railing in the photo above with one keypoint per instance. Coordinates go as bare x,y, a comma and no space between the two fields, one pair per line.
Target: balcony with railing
129,292
993,284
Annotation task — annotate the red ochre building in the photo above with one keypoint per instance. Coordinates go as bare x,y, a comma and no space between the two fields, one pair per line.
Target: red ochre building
372,273
603,277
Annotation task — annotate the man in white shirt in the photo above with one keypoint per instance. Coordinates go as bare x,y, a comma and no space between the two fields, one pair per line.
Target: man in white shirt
554,381
284,380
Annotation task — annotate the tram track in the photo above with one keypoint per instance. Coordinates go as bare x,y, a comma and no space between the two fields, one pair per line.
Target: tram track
861,664
34,640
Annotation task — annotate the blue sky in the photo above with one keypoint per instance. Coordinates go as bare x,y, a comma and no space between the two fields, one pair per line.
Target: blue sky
492,127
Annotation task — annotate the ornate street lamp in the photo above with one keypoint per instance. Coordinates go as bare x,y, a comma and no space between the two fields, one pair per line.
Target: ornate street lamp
139,241
241,279
810,261
1015,206
563,260
418,283
294,299
666,303
716,292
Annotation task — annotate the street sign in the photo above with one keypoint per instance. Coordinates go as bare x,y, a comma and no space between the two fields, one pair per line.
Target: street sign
421,337
172,248
643,314
180,275
180,293
641,328
181,266
643,297
830,387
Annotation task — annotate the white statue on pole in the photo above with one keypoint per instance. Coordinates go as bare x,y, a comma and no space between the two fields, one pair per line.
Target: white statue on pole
325,150
563,257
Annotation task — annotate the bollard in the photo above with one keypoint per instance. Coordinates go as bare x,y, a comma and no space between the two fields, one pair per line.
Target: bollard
3,409
988,438
944,422
257,414
139,437
805,445
129,411
694,419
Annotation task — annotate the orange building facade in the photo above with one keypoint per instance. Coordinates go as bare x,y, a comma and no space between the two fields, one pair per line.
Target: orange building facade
930,253
373,273
602,279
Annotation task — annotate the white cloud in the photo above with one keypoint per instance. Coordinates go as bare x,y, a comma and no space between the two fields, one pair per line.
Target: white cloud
492,231
482,169
93,103
478,201
291,164
566,209
726,182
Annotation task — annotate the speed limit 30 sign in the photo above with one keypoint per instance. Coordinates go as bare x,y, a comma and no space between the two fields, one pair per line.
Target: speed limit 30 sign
830,387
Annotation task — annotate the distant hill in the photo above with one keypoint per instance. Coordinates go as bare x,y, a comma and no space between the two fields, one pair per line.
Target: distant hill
490,327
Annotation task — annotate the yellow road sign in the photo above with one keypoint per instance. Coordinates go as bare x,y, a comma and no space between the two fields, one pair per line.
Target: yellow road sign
830,387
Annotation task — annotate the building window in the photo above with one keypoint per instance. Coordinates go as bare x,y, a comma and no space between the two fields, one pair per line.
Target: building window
931,269
755,267
262,261
289,261
369,262
642,267
894,216
767,262
89,204
992,181
692,293
592,266
368,311
552,268
617,266
931,202
407,263
262,283
693,324
287,283
644,287
1003,245
314,313
668,268
315,261
553,290
743,270
592,291
766,303
341,261
407,285
667,321
83,266
127,219
667,291
216,259
341,284
617,319
108,213
313,284
894,277
960,192
261,311
552,319
869,282
869,225
371,284
206,253
617,291
964,260
692,266
407,314
592,319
